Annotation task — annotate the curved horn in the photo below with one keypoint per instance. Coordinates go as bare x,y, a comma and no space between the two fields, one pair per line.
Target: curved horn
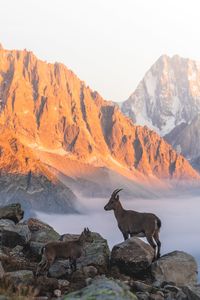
116,192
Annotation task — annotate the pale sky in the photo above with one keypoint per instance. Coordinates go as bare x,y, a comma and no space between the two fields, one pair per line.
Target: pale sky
109,44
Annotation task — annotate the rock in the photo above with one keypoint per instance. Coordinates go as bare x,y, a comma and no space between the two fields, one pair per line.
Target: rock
41,232
103,288
46,285
132,256
192,292
15,259
172,288
164,283
178,267
88,281
4,223
141,286
13,235
35,248
3,256
181,296
90,271
2,297
142,295
59,269
63,283
2,272
157,296
57,293
160,293
78,280
12,212
16,277
11,239
95,254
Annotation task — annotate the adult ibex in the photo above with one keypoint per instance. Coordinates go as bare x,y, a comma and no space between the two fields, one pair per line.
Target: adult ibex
135,223
69,250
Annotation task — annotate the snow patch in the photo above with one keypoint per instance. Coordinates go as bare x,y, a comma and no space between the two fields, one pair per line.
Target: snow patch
151,82
144,121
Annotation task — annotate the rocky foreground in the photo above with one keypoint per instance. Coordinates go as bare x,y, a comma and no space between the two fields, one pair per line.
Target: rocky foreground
127,272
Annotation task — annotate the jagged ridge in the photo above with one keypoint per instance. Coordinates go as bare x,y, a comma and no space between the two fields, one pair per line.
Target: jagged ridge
47,107
168,95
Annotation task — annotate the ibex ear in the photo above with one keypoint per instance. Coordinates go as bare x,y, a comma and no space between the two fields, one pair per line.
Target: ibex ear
117,198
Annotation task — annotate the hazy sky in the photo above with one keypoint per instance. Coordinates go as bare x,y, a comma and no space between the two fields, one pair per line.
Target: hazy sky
109,44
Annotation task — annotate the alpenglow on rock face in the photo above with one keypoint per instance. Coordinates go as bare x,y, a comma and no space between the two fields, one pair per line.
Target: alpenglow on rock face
52,125
168,95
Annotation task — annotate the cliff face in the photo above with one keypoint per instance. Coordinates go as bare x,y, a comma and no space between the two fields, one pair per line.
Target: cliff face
186,138
168,95
47,112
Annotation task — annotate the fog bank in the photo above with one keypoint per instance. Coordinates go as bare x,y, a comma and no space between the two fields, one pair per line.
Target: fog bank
180,221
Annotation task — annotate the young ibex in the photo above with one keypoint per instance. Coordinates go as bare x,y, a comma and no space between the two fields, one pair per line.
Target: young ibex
70,250
134,223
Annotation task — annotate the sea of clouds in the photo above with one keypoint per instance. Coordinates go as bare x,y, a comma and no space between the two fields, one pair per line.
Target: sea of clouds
180,221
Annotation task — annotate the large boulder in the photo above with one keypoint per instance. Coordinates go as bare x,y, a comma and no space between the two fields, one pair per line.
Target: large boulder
35,249
103,288
41,232
132,256
178,267
12,212
14,234
59,269
94,254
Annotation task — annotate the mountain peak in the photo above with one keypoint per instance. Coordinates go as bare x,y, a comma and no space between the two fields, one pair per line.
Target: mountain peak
168,95
1,47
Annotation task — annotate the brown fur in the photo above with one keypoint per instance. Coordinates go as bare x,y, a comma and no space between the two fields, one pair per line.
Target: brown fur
69,250
134,223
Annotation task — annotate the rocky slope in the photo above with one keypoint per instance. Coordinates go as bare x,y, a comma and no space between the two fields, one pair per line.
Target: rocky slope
168,95
126,273
186,138
24,178
55,126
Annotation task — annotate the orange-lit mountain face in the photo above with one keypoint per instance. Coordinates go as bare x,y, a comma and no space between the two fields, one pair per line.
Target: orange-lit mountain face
52,123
